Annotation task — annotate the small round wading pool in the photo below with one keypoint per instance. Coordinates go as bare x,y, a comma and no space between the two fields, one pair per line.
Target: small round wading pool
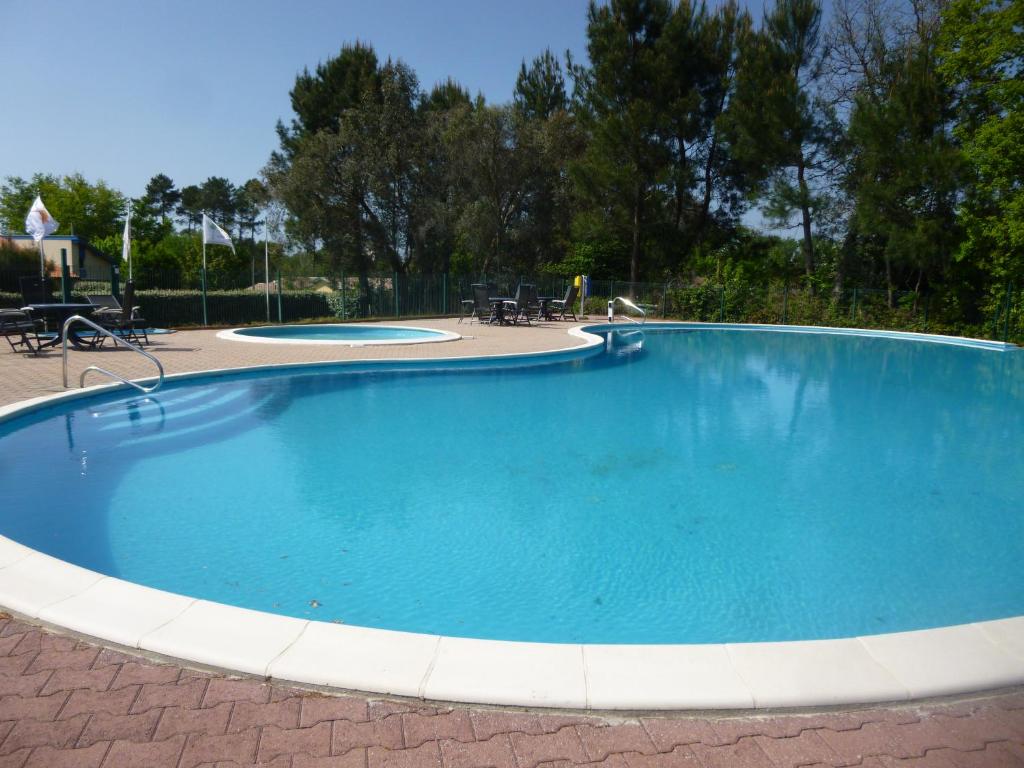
674,516
349,334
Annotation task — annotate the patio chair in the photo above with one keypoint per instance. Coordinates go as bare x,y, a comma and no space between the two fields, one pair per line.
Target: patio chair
478,306
524,304
35,290
483,311
565,305
121,319
20,330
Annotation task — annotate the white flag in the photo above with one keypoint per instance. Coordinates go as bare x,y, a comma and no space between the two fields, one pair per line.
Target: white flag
126,246
213,234
39,223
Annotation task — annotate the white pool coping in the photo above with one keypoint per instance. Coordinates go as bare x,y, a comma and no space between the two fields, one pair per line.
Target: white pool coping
856,670
238,334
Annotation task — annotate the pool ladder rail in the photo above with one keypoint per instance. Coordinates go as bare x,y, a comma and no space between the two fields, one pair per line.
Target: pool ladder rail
117,340
626,302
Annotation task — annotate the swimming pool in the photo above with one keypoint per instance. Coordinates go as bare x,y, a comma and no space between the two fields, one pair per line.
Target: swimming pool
351,334
540,491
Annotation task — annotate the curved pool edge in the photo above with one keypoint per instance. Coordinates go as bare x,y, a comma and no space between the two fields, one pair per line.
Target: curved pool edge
735,676
236,334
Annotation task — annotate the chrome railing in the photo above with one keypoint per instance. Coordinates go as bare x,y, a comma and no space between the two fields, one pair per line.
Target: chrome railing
117,340
626,302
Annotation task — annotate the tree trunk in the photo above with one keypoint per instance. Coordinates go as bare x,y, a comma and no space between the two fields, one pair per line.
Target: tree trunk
634,262
888,278
805,210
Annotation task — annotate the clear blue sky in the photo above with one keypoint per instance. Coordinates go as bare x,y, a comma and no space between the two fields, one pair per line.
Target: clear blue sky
120,90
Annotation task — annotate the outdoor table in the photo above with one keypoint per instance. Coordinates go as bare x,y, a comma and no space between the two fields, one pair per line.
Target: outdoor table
498,309
56,315
545,310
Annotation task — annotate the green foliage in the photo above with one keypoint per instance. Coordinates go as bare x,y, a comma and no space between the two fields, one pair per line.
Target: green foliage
91,211
982,57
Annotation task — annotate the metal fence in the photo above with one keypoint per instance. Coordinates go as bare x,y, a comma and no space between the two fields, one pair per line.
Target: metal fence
181,299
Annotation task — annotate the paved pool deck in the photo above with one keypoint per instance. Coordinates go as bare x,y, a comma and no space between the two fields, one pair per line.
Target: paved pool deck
68,700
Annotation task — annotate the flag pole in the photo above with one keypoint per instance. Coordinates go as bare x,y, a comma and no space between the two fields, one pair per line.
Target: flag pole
129,238
203,275
266,264
42,265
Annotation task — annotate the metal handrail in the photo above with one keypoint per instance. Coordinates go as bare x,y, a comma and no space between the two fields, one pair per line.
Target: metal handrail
629,303
117,340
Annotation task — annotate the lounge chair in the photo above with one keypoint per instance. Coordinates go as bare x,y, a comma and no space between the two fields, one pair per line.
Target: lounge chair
524,304
122,320
565,305
20,330
479,306
483,309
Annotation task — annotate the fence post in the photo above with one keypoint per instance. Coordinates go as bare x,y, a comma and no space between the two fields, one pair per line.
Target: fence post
785,303
65,276
664,301
115,282
394,291
280,308
444,293
853,309
344,297
1009,304
927,301
721,306
202,280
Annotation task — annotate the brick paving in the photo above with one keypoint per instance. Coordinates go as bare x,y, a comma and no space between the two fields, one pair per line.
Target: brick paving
67,701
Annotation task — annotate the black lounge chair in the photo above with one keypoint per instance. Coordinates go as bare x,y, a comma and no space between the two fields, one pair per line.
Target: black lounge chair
565,305
525,303
479,306
122,320
20,330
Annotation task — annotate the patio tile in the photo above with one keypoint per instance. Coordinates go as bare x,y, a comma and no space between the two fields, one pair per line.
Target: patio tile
104,727
36,708
116,610
495,752
69,679
565,744
805,749
156,754
426,756
419,729
83,757
239,747
354,759
947,660
598,743
211,721
37,581
318,708
24,685
1008,634
60,734
184,694
117,702
280,714
745,753
491,672
223,689
356,658
133,673
225,636
383,733
813,672
315,741
663,677
79,659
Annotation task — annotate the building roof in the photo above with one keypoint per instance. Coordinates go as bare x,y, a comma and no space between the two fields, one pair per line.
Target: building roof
82,243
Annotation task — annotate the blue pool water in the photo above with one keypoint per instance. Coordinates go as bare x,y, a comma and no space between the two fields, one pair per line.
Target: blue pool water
342,332
708,486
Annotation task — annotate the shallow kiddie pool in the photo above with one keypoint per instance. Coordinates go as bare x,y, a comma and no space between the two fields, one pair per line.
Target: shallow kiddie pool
351,334
685,486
